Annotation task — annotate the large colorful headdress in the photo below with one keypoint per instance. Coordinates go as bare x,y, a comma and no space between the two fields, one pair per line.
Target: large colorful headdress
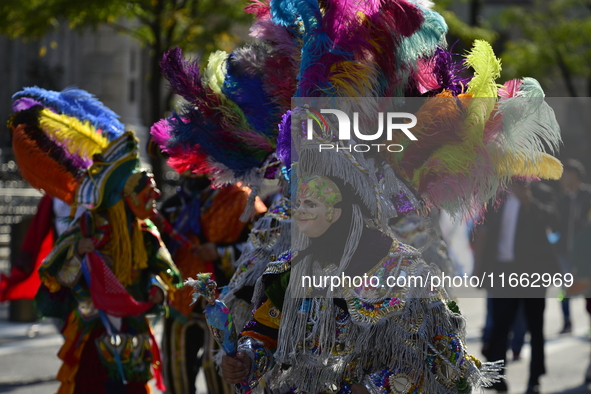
467,145
473,135
72,146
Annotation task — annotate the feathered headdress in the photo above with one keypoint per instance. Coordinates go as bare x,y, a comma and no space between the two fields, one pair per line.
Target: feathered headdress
228,128
472,135
68,139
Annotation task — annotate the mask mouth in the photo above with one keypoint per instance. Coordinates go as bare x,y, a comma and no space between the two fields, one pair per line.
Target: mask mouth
305,216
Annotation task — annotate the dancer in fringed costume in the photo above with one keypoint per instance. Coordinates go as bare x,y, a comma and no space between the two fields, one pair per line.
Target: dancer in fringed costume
223,215
474,136
109,269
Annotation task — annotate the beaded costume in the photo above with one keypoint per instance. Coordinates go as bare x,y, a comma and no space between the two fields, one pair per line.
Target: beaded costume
473,138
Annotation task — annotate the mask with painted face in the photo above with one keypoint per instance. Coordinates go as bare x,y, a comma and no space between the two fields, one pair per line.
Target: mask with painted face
315,205
140,194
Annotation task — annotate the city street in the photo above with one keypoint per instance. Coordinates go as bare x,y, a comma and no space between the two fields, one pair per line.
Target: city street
28,360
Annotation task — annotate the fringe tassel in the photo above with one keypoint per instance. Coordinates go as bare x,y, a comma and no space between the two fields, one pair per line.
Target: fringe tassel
249,208
140,255
121,247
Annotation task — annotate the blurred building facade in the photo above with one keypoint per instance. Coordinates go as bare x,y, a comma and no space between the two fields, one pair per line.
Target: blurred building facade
101,61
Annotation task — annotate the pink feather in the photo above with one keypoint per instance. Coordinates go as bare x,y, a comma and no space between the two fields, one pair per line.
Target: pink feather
510,88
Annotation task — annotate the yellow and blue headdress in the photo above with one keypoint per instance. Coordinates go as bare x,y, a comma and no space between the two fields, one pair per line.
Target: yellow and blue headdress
72,146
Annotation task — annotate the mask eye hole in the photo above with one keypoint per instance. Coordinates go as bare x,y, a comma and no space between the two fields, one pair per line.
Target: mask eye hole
310,204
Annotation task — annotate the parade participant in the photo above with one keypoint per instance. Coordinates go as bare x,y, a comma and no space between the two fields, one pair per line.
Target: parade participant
229,150
374,338
210,220
391,339
377,358
362,338
109,269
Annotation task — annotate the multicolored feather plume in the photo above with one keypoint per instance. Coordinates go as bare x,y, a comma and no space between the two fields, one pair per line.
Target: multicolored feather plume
229,129
474,136
80,104
56,135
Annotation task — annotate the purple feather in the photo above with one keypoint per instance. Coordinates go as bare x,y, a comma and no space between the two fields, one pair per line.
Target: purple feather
284,140
184,77
25,103
448,72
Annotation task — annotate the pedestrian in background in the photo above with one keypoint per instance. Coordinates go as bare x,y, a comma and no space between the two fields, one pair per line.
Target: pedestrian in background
574,205
513,240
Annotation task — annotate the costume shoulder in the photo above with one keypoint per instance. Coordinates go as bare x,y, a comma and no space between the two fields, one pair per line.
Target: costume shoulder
274,281
398,279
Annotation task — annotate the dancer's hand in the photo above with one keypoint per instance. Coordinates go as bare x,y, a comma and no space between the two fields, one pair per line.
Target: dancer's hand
359,389
85,245
235,370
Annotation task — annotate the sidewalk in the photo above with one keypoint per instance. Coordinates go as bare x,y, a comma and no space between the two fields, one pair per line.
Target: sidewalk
29,363
28,356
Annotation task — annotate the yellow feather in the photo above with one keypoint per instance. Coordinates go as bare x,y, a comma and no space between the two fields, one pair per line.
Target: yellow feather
487,68
214,75
543,166
78,137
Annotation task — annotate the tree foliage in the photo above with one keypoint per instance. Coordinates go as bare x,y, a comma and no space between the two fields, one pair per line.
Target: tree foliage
463,30
191,24
552,42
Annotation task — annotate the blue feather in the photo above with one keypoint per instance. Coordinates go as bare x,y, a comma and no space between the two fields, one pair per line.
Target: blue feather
79,104
283,12
192,128
247,91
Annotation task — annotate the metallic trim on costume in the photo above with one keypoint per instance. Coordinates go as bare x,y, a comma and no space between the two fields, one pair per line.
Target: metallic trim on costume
87,309
134,351
261,359
283,263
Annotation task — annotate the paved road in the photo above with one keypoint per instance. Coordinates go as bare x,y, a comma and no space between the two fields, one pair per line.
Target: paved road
28,361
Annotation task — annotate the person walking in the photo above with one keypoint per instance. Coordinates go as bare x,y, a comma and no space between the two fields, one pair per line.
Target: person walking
514,241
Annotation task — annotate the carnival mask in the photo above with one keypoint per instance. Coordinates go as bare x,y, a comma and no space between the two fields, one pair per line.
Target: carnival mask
315,211
140,194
